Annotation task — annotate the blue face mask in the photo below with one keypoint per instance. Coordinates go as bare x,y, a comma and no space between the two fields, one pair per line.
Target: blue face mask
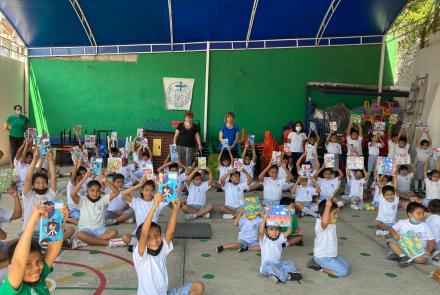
414,220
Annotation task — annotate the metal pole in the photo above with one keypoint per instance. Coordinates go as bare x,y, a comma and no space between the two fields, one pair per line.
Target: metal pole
205,115
26,86
382,59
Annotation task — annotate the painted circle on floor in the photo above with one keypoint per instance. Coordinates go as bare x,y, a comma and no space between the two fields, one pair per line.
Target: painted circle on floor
390,274
258,254
310,253
365,254
79,274
343,238
208,276
94,252
332,276
206,255
371,226
203,241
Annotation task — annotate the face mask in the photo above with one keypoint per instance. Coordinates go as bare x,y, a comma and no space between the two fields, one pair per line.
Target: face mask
414,220
40,191
155,252
92,200
272,239
298,128
18,112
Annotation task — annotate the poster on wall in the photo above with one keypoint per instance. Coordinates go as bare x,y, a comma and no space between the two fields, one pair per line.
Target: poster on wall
178,93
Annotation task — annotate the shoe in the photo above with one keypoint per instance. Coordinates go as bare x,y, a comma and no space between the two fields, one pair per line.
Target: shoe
77,243
67,244
294,276
219,249
354,207
207,215
130,248
393,256
242,249
404,261
378,232
130,220
190,216
110,222
313,265
340,204
274,279
118,242
228,216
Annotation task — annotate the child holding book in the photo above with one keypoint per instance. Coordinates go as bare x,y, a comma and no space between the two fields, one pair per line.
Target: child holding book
296,140
304,196
118,210
296,235
307,165
402,146
311,147
392,141
248,164
433,222
374,146
423,152
432,182
28,267
325,251
333,146
225,164
150,255
416,224
196,205
247,234
273,185
354,139
387,203
129,172
23,160
357,179
380,181
234,192
283,174
75,177
404,179
329,183
271,244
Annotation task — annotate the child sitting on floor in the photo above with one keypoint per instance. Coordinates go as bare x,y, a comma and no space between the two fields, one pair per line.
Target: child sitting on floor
357,181
234,192
247,234
296,235
271,244
374,145
304,196
433,221
328,184
150,255
128,171
225,164
333,146
196,205
282,173
325,251
388,202
118,210
75,177
249,165
311,148
354,140
300,166
273,185
404,179
432,182
22,161
423,152
380,181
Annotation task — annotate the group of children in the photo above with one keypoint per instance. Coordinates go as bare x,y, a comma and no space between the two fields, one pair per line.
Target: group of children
94,202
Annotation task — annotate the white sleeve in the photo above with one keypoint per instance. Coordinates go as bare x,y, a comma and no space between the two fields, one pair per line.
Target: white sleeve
429,235
106,199
167,248
398,226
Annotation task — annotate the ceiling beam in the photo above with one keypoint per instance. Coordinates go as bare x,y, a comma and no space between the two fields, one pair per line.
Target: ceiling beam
326,20
170,17
82,18
251,22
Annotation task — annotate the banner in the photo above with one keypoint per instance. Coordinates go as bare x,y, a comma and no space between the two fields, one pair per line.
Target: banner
178,93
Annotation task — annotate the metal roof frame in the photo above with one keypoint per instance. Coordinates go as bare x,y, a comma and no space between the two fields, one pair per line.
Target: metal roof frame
84,22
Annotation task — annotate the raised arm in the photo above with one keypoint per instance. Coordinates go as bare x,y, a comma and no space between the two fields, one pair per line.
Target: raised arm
171,227
190,176
166,164
230,155
114,191
28,182
340,173
52,171
17,213
360,131
210,177
77,187
254,154
262,227
225,176
325,218
318,165
293,189
425,167
142,244
429,138
248,176
246,146
126,194
316,185
264,172
349,128
289,175
22,151
367,175
237,218
74,170
220,155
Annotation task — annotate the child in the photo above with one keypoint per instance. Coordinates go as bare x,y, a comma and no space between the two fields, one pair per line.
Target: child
296,139
92,206
432,182
404,179
271,244
328,184
416,216
150,255
234,192
128,171
182,174
311,147
8,216
380,181
354,140
28,267
388,202
304,195
24,159
248,164
433,221
333,147
282,174
225,164
402,146
374,145
326,258
196,205
296,235
423,152
273,185
75,177
312,169
247,234
392,141
356,182
118,210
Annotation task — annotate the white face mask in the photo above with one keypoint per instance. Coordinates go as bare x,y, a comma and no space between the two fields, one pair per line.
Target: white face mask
18,111
298,128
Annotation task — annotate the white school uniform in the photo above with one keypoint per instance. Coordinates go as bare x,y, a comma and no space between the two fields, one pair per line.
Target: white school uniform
273,188
197,193
333,148
432,189
249,169
248,229
304,194
391,148
328,187
433,222
92,214
21,171
404,182
357,145
373,148
223,170
70,203
117,203
421,230
29,202
271,250
404,150
356,187
141,209
297,142
234,193
326,241
5,216
387,210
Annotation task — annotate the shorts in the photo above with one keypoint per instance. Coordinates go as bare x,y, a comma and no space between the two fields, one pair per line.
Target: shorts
235,209
248,244
94,232
266,203
129,211
74,213
196,207
184,290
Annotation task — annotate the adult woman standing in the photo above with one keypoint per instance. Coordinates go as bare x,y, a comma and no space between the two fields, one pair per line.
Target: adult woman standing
231,132
16,125
186,137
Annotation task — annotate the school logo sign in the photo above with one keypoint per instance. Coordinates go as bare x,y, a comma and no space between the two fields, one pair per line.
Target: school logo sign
178,93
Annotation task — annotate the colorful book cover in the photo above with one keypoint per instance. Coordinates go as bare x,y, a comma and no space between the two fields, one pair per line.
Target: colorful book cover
225,143
351,150
354,162
286,147
386,166
44,146
411,244
393,119
95,166
114,136
312,126
168,186
306,170
6,175
276,158
201,162
333,126
124,153
140,133
403,159
436,152
238,164
144,142
51,225
113,164
355,117
90,141
422,126
378,127
31,133
147,170
79,154
278,215
329,160
174,156
251,207
310,151
251,139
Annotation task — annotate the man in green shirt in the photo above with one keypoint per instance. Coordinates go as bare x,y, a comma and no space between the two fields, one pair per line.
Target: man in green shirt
16,125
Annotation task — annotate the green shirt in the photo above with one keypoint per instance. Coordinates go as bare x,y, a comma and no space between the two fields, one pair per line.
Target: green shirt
295,225
39,289
18,125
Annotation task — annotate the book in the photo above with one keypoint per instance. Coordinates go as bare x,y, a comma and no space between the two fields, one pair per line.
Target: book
354,162
168,186
6,176
312,126
51,224
422,126
251,207
114,136
225,143
147,170
310,150
251,139
411,244
278,215
286,147
140,133
276,158
355,117
90,141
386,166
306,170
329,160
31,133
351,150
114,164
95,166
144,142
393,119
436,152
174,156
238,164
333,126
201,162
43,145
79,154
403,159
378,128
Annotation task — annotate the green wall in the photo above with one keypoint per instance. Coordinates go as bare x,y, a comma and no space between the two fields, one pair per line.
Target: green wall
265,88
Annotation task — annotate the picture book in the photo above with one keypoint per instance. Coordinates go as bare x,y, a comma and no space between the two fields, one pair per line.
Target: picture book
378,128
393,119
140,133
31,133
251,207
355,117
286,147
278,215
114,136
386,166
6,175
251,139
144,142
95,166
168,186
354,162
403,159
312,126
436,152
225,143
90,141
201,162
329,160
351,150
411,245
422,126
333,126
238,164
79,154
306,170
310,151
44,146
51,224
147,170
276,158
114,164
174,156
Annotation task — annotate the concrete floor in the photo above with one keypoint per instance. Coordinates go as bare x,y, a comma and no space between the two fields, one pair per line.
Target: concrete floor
101,270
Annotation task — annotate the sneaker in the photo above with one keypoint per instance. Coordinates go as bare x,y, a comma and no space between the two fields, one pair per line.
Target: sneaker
118,242
130,220
379,232
274,279
228,216
190,216
242,249
404,261
294,276
340,204
313,265
207,215
77,243
110,222
219,249
354,207
393,256
67,244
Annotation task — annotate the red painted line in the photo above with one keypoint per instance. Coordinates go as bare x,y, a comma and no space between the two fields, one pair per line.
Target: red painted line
102,279
108,254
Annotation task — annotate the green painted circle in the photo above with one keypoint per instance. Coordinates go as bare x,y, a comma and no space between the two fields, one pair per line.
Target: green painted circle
310,253
355,215
94,252
332,276
371,226
203,241
208,276
258,254
206,255
343,238
390,274
365,254
79,274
